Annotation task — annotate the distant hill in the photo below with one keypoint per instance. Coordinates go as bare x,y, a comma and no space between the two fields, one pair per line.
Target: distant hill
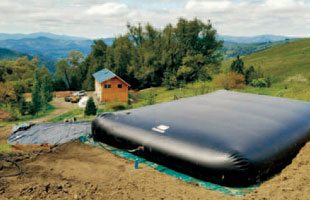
282,61
109,41
8,54
18,36
241,46
47,47
252,39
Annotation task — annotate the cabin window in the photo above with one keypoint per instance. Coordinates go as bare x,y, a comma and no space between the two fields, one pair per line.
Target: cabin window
107,85
119,85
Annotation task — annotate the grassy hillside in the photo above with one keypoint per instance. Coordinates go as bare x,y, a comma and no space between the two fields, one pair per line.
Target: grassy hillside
288,65
281,62
232,49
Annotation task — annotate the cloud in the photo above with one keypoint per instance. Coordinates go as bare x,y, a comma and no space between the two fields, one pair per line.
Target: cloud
108,9
283,4
106,18
209,5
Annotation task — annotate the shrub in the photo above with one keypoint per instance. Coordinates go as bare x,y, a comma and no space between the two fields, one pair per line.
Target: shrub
151,98
170,80
90,107
5,116
9,113
229,81
261,82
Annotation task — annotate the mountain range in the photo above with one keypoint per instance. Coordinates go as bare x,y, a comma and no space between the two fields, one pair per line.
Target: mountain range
18,36
53,49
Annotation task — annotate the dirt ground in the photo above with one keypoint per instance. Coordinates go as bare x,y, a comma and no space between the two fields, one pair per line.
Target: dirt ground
79,171
61,107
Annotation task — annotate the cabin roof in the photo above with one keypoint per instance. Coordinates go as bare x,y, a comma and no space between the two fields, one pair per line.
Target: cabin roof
105,74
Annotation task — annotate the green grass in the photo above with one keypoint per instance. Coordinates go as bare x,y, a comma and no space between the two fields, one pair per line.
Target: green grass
49,109
162,94
77,113
5,148
297,91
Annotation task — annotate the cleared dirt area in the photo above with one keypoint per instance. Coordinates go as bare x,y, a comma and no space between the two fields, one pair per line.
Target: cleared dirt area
79,171
61,107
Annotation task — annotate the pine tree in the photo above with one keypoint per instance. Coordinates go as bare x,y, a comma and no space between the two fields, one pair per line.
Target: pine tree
46,84
237,66
90,107
36,102
46,92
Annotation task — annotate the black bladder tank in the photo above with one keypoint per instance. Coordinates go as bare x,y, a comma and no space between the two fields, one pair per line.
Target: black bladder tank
229,138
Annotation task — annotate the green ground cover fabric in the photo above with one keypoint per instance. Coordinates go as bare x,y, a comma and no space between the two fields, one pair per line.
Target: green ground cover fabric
88,139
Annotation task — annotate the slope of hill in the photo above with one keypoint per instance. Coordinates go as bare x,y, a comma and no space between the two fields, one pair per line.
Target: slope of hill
232,49
281,61
287,65
47,47
8,54
253,39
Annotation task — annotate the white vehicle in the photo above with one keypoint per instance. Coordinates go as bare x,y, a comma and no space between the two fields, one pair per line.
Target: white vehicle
79,93
83,102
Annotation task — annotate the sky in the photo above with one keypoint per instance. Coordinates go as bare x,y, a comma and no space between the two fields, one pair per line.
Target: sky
108,18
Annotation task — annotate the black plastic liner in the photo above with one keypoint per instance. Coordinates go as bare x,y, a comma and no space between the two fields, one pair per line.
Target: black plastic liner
229,138
52,133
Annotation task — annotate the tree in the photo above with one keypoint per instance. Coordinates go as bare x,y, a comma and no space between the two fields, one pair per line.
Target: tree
170,80
75,58
120,56
250,74
90,107
36,102
46,84
185,74
136,33
145,56
63,71
77,73
7,93
46,91
93,63
237,66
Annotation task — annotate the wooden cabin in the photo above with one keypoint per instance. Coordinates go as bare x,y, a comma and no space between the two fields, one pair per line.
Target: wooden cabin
109,87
